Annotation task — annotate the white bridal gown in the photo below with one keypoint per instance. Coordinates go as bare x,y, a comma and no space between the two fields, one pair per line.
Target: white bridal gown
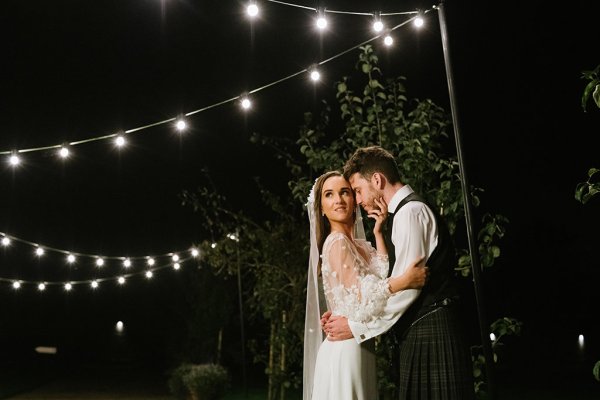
355,287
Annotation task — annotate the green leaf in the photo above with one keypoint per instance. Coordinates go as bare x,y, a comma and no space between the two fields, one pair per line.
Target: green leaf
596,95
596,371
589,88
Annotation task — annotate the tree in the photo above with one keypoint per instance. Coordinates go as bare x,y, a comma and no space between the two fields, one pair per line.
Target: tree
272,252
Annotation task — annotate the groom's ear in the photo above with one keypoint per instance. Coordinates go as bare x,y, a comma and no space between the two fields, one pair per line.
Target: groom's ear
378,180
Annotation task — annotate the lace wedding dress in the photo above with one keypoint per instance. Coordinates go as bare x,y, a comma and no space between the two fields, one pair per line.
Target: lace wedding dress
354,283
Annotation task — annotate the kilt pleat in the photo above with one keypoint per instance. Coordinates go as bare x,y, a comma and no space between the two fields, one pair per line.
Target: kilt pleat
435,362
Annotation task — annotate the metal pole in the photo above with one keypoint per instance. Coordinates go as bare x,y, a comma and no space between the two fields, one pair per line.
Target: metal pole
239,281
473,249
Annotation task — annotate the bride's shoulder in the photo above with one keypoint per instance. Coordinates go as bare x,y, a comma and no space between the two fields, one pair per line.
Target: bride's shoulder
336,238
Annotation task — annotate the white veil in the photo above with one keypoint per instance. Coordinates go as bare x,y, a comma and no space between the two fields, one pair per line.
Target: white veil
313,335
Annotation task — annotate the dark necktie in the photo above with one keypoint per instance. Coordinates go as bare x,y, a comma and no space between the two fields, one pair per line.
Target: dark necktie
387,236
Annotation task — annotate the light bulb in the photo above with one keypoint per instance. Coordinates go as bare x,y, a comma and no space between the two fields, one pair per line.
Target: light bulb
5,241
176,266
388,40
252,10
94,284
39,251
14,160
195,252
149,274
151,261
99,262
121,280
246,103
120,141
16,285
419,21
127,263
378,26
63,152
70,258
41,287
180,125
68,287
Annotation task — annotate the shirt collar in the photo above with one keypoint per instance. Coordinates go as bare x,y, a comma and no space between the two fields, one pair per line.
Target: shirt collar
398,197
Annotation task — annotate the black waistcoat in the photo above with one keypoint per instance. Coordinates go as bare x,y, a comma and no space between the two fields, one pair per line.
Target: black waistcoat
441,283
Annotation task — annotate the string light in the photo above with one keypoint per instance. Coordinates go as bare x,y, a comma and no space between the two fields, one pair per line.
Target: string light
42,287
388,40
314,73
419,21
252,9
94,284
5,241
16,285
176,266
39,252
195,253
68,286
70,258
121,280
119,138
245,102
63,152
127,263
175,258
99,262
377,23
151,261
321,21
181,125
120,141
149,274
14,159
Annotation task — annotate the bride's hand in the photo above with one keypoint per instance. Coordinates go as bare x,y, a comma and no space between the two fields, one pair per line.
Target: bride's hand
417,273
379,215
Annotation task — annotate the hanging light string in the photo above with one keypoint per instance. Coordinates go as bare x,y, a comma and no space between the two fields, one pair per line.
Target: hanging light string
243,99
94,283
341,12
41,249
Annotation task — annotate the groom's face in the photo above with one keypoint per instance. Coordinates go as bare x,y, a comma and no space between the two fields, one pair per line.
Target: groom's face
365,192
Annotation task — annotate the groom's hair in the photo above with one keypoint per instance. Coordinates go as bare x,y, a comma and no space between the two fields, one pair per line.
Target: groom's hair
367,160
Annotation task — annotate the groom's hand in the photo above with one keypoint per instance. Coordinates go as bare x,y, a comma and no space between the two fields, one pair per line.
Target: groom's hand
337,328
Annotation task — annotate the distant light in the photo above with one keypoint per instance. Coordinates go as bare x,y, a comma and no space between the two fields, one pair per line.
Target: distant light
16,285
119,326
419,21
39,251
127,263
63,152
176,266
120,141
94,284
213,245
175,257
151,261
5,241
195,252
149,274
388,40
180,125
70,258
121,280
68,287
45,350
492,337
14,160
580,342
99,262
252,9
41,287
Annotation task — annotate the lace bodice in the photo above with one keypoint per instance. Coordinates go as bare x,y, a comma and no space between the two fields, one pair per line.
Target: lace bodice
354,277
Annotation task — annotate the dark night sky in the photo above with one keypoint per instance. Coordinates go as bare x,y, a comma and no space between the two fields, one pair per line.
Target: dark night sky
72,70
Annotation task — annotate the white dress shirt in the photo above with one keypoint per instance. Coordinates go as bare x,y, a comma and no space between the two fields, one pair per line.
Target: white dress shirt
414,234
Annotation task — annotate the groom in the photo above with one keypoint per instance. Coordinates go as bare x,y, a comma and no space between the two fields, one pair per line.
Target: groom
434,361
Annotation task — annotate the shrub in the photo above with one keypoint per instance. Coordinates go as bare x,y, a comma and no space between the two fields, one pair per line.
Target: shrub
199,381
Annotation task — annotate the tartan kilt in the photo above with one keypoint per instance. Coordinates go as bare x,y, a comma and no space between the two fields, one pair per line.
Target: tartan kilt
435,361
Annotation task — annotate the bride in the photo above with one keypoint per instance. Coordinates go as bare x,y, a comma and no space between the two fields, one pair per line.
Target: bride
354,285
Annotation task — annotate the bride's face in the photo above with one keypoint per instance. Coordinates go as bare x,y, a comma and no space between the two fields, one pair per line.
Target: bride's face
337,200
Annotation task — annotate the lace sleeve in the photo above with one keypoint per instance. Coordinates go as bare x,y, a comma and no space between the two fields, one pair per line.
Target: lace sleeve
378,263
350,287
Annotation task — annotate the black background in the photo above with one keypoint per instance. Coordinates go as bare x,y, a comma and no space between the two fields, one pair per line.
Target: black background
72,70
